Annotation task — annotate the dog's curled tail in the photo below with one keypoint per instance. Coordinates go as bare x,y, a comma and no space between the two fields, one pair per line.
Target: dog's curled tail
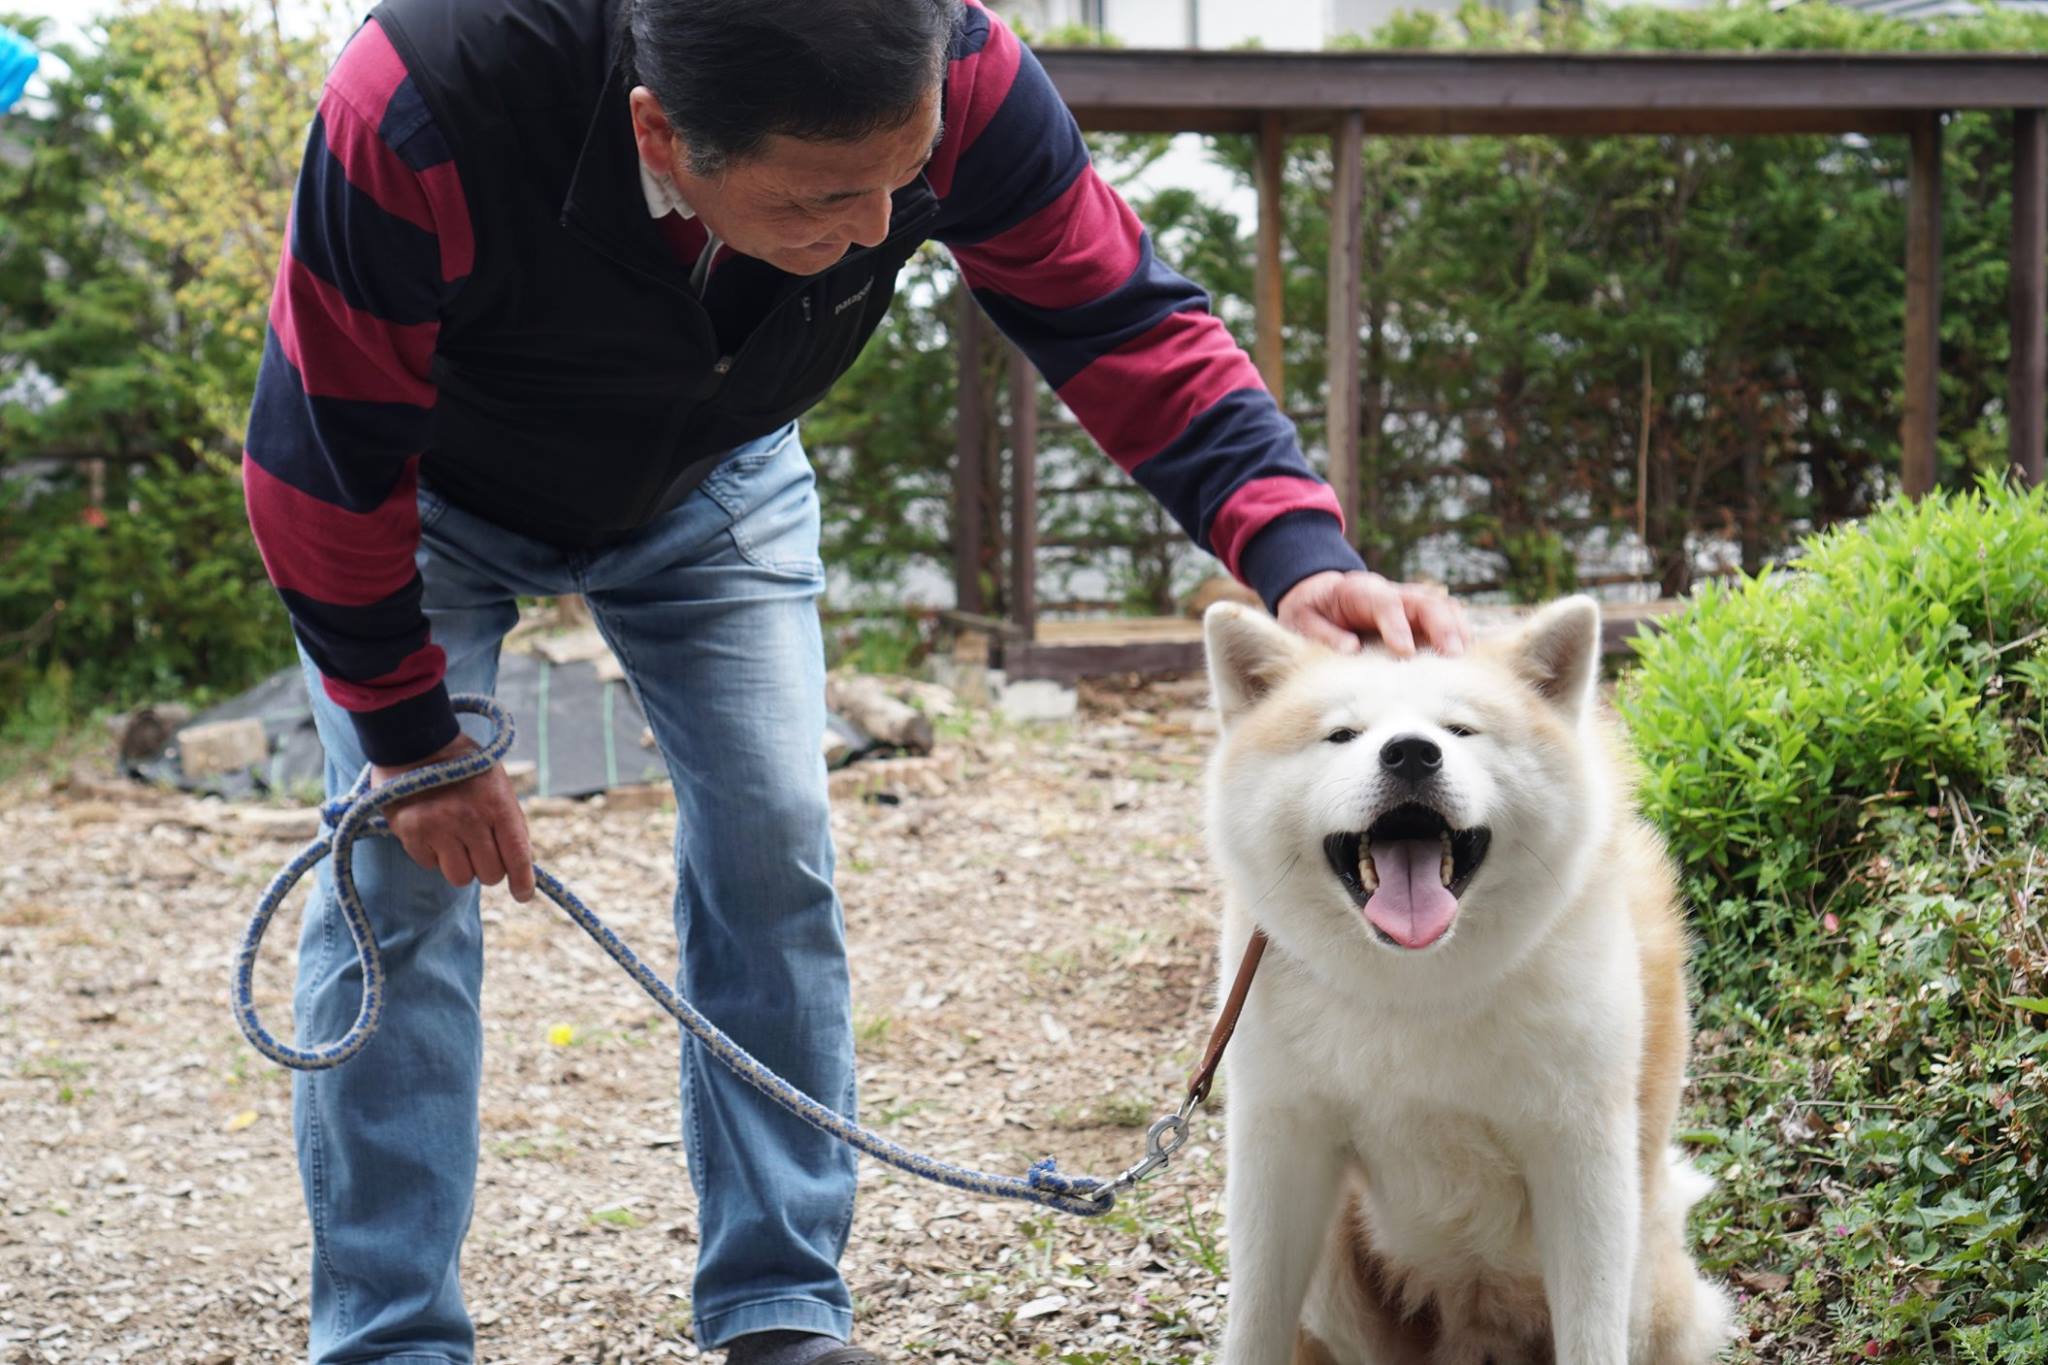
1693,1318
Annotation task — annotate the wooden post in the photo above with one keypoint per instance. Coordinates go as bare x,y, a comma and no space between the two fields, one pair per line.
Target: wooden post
1023,494
971,460
1923,308
1268,297
1347,250
2027,383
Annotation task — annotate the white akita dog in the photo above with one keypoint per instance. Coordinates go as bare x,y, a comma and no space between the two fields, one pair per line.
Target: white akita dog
1453,1086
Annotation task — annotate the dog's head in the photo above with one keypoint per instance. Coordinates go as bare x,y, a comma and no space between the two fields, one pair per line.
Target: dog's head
1368,804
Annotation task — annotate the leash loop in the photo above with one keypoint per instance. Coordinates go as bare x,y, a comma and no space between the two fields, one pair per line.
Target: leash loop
358,814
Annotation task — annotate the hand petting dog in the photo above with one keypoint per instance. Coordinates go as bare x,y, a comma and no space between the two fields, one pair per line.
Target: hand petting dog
1336,608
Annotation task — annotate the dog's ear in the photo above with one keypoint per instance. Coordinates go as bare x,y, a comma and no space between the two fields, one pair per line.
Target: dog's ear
1558,653
1249,655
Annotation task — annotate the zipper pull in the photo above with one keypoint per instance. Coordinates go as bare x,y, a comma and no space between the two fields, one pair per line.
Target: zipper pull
724,364
806,301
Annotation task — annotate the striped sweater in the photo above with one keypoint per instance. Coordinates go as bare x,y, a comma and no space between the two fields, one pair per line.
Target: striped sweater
381,239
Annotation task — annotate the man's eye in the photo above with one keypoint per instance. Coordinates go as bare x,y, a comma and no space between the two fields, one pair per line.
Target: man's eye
1341,736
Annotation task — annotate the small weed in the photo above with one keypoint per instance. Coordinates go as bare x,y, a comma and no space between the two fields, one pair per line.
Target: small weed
51,1068
1056,963
897,1113
531,1149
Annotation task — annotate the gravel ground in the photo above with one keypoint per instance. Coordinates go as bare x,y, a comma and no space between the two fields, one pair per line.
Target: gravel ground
1031,959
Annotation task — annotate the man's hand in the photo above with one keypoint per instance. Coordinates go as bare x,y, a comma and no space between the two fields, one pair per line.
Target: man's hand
472,831
1334,608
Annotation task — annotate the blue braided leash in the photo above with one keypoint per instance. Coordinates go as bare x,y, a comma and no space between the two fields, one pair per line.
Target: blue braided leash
358,813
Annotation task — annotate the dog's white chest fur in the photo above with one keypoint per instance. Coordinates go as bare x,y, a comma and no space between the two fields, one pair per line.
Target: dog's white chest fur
1439,1108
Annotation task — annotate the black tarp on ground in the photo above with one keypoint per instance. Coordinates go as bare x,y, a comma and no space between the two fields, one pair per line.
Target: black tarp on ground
581,733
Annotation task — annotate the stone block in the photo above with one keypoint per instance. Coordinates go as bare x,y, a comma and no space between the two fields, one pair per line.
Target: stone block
223,746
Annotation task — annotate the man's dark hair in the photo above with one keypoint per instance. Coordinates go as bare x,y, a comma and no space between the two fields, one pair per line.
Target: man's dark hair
730,74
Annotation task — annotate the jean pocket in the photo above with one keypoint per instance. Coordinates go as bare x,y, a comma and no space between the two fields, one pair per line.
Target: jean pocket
772,506
743,465
432,507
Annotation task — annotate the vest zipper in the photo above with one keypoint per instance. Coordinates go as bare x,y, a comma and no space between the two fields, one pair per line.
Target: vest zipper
723,365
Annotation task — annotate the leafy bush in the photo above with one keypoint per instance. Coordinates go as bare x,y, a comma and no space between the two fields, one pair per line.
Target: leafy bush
1877,1109
1847,758
159,592
1776,717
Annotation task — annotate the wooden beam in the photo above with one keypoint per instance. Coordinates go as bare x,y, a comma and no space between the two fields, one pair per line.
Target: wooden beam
1621,122
1023,493
2027,383
1517,82
1268,297
1145,651
1068,663
971,459
1422,122
1923,309
1347,250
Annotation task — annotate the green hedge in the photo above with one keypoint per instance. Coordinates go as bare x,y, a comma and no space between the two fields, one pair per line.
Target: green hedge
157,593
1776,716
1847,758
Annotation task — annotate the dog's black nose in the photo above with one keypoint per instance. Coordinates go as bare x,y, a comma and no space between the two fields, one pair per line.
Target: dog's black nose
1411,757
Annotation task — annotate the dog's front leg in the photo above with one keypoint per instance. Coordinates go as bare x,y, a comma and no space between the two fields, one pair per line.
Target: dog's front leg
1585,1200
1281,1195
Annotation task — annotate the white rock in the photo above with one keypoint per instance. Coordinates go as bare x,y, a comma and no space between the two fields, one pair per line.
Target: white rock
1038,1308
1039,699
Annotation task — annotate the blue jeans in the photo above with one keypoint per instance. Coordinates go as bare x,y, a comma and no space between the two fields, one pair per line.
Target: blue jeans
712,610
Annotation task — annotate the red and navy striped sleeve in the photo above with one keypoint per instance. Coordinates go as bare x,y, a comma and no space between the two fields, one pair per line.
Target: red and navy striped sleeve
1064,268
378,242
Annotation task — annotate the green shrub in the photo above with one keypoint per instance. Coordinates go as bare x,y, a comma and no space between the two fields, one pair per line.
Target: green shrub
1877,1108
157,593
1777,717
1848,759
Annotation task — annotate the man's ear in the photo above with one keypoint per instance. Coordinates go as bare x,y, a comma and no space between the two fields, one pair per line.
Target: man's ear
652,134
1558,653
1249,654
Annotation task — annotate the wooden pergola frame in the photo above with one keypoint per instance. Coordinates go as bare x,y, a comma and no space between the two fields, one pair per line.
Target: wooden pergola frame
1346,96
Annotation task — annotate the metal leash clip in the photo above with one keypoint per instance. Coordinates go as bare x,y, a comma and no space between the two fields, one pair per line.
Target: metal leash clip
1167,1135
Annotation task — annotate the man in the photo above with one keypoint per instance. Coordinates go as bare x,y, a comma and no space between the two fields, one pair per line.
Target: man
561,276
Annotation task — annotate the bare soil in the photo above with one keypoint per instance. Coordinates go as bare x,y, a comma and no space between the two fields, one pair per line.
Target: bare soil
1031,954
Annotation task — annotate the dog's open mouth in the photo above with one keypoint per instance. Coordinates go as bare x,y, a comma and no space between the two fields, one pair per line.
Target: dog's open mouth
1406,872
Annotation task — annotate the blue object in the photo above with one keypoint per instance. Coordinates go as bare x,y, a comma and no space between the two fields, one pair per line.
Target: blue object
18,59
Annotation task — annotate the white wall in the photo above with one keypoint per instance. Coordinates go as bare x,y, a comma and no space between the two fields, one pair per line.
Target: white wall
1147,23
1220,23
1274,23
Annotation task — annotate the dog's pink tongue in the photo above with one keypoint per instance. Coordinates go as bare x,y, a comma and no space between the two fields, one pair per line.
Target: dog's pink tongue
1412,906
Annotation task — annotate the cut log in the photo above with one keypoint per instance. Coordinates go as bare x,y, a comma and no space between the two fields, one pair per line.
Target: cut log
867,703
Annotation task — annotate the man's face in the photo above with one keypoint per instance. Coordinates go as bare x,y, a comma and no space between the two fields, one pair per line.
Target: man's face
796,204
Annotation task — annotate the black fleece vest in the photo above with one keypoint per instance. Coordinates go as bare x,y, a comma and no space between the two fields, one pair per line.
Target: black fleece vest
582,390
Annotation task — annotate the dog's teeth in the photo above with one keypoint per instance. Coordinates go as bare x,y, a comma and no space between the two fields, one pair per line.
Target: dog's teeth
1368,875
1445,869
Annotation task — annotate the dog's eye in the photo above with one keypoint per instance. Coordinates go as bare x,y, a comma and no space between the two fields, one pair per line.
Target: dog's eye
1341,736
1462,731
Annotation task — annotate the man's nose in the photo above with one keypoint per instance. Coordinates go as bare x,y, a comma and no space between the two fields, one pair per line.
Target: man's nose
870,221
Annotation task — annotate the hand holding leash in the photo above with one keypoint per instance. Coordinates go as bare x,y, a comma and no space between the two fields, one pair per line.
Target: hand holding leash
471,830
